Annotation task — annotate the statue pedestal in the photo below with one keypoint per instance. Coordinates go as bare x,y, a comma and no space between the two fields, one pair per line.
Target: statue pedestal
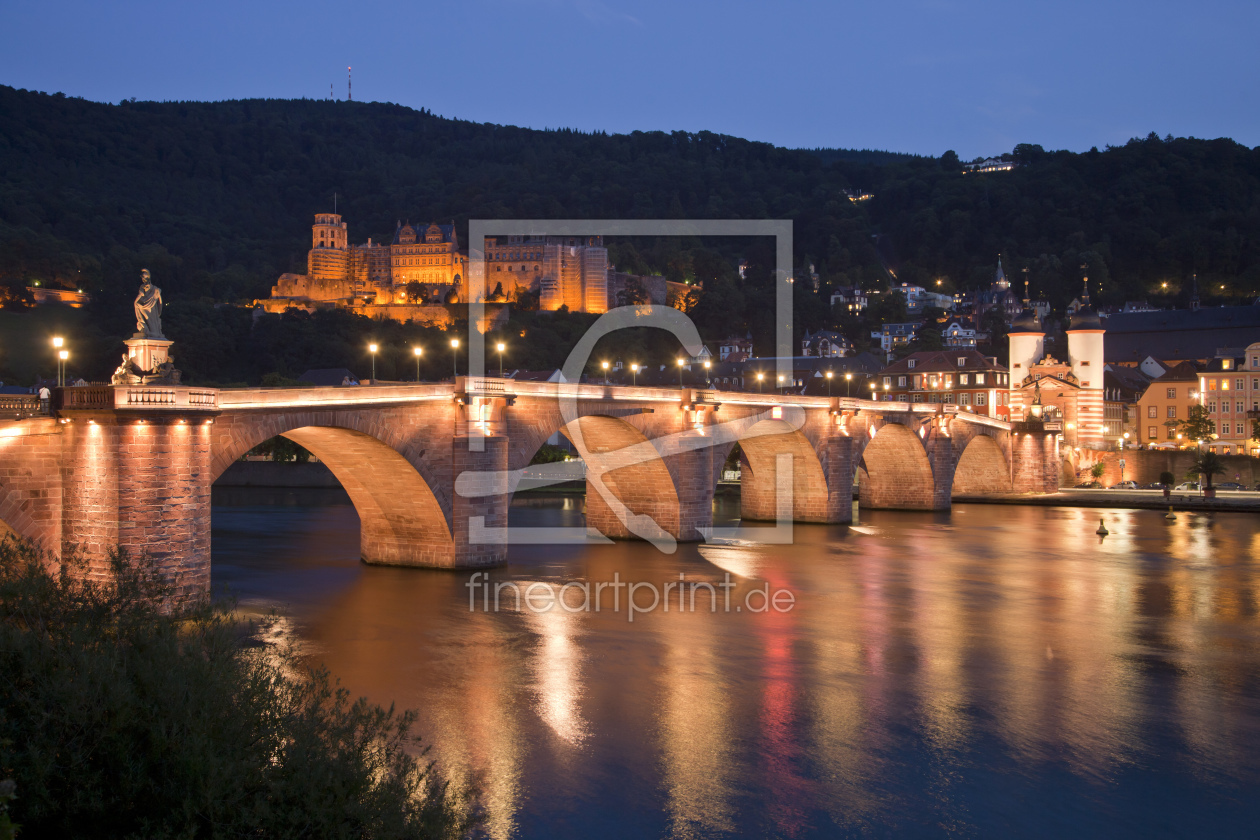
148,353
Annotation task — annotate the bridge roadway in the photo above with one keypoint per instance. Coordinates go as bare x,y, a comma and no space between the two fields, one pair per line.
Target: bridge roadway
431,468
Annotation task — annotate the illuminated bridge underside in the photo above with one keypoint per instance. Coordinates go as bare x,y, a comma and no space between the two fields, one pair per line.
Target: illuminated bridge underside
133,466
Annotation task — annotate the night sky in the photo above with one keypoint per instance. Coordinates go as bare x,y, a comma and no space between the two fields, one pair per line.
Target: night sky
923,76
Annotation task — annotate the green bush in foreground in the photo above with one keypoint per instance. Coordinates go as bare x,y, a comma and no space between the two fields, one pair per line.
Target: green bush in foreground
121,720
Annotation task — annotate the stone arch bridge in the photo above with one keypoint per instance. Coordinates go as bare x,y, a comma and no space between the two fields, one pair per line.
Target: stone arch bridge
132,466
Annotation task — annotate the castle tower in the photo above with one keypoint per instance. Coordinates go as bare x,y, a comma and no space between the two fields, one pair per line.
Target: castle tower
328,260
1085,355
328,231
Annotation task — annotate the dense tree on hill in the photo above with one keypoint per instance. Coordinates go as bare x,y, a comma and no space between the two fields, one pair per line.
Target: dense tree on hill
216,199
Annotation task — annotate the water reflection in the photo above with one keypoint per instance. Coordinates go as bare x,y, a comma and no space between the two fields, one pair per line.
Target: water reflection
995,671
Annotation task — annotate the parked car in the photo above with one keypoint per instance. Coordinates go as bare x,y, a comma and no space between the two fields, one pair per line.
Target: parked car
1088,485
1155,485
1124,485
1187,486
1229,485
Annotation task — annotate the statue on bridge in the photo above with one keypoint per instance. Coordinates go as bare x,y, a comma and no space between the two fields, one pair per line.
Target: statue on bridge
148,309
147,360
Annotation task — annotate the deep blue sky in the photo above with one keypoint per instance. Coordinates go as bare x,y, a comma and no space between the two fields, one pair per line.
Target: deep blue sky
977,76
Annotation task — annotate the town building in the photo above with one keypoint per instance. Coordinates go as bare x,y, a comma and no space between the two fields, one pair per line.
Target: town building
1122,388
851,299
892,336
956,336
43,295
825,343
735,349
1167,397
966,378
1180,335
999,296
989,165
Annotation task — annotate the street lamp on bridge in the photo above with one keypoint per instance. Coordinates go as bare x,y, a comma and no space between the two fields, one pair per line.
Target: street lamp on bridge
62,355
829,375
848,379
500,347
417,352
707,365
455,356
680,367
634,375
372,348
58,342
604,365
761,377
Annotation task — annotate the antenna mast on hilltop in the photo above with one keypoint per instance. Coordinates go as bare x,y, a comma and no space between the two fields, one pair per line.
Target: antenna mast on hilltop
349,86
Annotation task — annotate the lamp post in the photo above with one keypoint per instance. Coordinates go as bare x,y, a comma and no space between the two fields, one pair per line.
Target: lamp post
829,375
372,348
455,357
872,384
58,342
604,365
680,367
634,375
417,352
707,365
761,377
62,355
782,378
848,378
500,347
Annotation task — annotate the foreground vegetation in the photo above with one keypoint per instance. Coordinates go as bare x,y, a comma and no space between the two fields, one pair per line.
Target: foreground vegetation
120,719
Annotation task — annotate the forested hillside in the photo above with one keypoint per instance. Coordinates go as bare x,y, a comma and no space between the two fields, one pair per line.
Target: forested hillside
217,199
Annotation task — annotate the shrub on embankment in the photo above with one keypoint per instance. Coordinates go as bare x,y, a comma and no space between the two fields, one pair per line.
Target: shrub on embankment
119,718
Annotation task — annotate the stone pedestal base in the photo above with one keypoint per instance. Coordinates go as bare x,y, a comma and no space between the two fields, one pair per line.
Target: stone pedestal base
148,353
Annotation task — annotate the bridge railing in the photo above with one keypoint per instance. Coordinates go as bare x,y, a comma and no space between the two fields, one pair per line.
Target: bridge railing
137,398
22,405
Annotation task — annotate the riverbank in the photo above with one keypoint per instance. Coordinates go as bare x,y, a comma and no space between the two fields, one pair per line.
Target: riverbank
1135,499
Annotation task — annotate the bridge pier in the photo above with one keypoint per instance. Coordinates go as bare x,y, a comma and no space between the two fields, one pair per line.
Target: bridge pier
1034,458
493,509
141,484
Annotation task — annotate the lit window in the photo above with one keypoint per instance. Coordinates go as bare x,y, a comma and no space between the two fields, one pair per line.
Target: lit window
1151,432
962,361
980,399
979,381
963,378
1152,411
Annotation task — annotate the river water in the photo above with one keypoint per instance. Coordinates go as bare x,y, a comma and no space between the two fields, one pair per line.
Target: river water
992,672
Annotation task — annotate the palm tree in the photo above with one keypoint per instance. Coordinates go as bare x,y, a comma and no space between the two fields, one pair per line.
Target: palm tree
1207,465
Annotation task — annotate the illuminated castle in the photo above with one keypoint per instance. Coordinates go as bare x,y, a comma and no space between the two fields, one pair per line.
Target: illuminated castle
423,266
355,275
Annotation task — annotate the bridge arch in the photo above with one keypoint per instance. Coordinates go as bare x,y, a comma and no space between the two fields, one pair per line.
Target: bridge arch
621,456
760,448
402,520
983,467
899,472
